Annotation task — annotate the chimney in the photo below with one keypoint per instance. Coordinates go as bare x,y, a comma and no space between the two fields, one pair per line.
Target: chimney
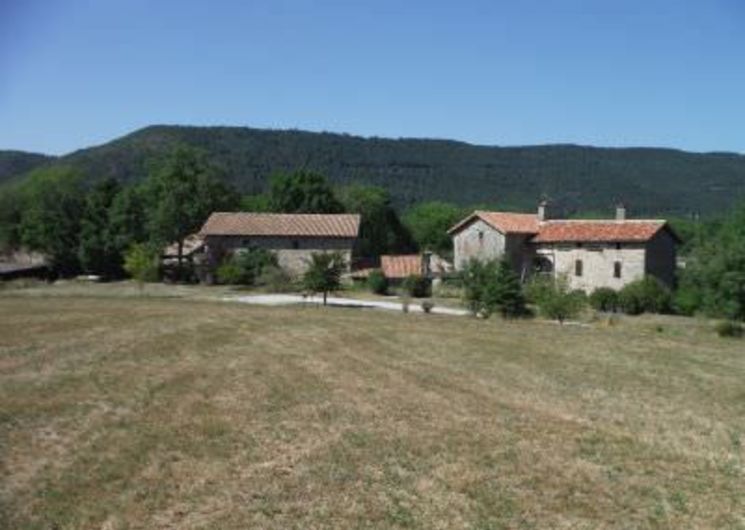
543,211
620,212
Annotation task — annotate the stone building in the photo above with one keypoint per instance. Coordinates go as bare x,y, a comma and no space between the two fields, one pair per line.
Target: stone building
590,253
292,237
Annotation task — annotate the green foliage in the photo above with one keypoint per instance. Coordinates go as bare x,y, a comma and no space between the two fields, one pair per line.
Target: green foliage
427,306
276,279
127,219
377,282
415,170
417,286
50,222
245,266
11,210
15,163
604,299
302,192
730,329
492,286
647,295
182,192
381,231
324,273
429,222
141,263
555,299
256,203
714,278
97,251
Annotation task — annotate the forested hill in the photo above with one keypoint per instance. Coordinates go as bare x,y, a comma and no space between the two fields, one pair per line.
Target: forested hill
15,163
652,181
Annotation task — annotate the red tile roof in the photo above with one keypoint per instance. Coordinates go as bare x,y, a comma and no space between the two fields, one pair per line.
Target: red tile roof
505,222
597,231
280,224
401,266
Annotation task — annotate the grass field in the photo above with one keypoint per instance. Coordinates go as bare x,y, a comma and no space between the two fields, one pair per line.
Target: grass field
169,413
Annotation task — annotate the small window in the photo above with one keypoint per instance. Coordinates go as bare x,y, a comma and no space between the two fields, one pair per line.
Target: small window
617,269
578,267
245,242
618,246
579,245
295,244
481,235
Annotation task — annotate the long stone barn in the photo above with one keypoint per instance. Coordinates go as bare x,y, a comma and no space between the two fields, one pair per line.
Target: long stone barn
291,237
590,253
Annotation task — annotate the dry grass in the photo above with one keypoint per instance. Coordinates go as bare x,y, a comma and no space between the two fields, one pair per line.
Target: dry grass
155,413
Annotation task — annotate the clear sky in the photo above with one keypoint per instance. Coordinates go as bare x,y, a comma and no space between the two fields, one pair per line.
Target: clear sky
616,73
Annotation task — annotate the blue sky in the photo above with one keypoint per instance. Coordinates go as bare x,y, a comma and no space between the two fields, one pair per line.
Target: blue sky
616,73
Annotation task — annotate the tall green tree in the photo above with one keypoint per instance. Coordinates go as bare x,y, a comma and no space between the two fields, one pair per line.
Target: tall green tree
97,252
302,192
11,209
182,192
714,278
429,222
50,222
381,231
127,219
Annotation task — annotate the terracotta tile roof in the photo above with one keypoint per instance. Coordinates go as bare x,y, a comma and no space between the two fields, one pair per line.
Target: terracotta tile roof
598,231
401,266
505,222
280,224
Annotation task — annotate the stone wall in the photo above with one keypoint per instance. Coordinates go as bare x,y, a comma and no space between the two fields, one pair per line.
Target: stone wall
292,253
598,263
477,241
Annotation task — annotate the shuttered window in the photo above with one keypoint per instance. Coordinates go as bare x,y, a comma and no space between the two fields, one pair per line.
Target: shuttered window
578,267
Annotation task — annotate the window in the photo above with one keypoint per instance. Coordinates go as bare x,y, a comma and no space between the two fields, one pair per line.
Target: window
295,244
618,246
578,267
579,245
617,269
245,243
481,235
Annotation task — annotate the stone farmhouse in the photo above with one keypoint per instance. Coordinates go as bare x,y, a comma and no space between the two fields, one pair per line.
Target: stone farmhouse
292,237
590,253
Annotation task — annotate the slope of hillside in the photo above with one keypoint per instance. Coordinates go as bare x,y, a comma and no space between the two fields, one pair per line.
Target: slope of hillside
16,163
587,178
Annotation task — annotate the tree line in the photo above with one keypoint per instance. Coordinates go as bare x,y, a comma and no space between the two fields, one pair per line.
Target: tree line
89,228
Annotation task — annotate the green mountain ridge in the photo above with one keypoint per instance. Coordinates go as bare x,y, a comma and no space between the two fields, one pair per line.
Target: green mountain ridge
15,163
651,180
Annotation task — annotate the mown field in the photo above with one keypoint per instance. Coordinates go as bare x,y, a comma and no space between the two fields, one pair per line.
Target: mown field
150,413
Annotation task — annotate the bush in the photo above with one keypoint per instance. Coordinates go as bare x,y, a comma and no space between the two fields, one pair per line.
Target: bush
492,286
555,300
276,280
417,286
377,282
604,299
141,263
245,266
730,329
645,296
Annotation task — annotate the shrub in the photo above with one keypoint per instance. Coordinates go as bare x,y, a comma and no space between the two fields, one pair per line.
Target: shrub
645,296
276,280
555,300
377,282
245,266
686,301
427,306
141,263
730,329
417,286
604,299
492,286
